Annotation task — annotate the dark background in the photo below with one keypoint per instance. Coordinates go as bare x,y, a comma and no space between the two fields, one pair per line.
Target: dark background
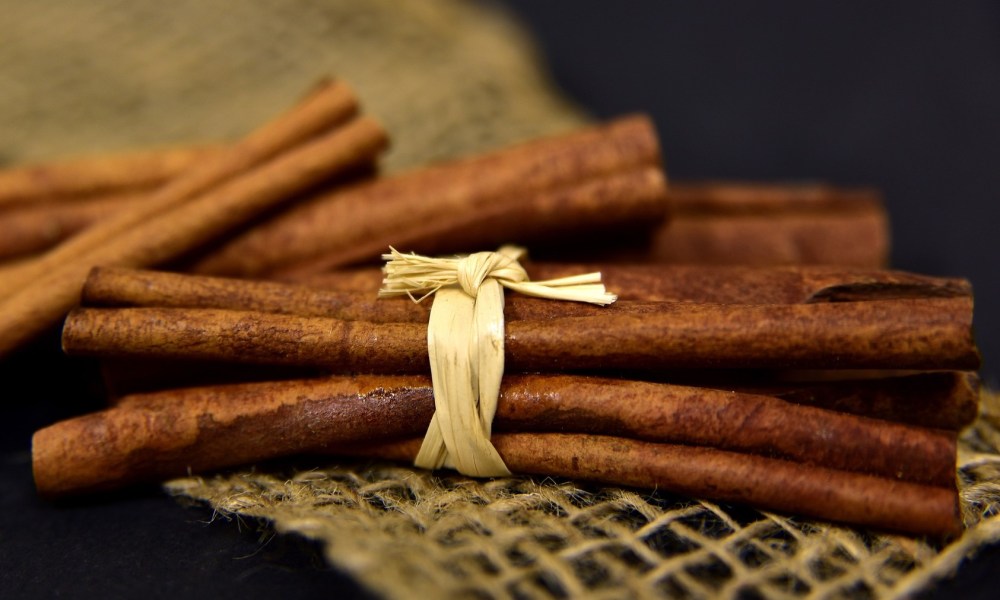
900,95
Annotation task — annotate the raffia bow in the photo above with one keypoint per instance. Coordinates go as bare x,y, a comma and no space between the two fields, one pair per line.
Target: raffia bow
465,343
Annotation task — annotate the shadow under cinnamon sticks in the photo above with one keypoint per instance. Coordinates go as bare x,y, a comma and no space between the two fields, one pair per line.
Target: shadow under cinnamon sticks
773,454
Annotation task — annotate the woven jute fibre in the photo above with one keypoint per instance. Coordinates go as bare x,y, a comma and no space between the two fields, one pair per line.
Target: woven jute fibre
446,78
407,533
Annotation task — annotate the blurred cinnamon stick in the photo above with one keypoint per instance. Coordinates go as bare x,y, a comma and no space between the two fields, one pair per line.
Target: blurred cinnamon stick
290,154
93,176
706,198
35,227
600,176
773,224
930,333
852,239
709,283
330,104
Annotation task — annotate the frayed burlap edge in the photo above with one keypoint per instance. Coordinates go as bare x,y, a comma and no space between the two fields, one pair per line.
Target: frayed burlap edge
404,533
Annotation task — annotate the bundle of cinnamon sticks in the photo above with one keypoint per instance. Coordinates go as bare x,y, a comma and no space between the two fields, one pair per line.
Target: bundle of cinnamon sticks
877,451
832,391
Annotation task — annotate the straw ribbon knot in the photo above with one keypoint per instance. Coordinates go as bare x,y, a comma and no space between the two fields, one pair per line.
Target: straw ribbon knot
465,338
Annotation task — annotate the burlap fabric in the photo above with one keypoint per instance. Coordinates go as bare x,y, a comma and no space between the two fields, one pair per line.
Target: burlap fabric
405,533
447,78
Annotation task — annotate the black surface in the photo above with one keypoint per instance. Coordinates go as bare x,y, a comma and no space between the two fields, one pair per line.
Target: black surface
144,544
139,543
901,95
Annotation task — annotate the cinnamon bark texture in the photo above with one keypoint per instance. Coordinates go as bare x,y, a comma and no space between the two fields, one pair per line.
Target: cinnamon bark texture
31,228
940,400
598,177
652,285
328,106
161,435
719,475
709,473
773,224
944,400
715,284
150,437
91,176
293,153
893,334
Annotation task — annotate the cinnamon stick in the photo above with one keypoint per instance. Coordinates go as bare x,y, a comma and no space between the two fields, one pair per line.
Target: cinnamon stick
733,285
714,284
84,177
930,333
154,436
236,424
944,400
772,224
182,224
707,198
32,228
766,483
330,104
598,176
857,239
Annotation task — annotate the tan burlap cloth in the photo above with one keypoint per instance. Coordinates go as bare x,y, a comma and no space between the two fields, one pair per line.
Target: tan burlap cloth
447,78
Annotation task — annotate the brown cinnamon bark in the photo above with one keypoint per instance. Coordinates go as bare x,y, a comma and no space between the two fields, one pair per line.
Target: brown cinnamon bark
84,177
35,227
719,475
150,436
185,223
941,400
619,202
858,239
130,287
945,400
706,198
715,284
545,185
772,224
898,334
330,104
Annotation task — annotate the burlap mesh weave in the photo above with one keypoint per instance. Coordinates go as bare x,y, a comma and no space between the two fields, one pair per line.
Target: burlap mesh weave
407,533
447,78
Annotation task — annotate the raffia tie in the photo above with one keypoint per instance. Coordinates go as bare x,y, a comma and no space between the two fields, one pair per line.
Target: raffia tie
465,343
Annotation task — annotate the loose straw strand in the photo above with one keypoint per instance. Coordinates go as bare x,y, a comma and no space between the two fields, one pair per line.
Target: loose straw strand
465,339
